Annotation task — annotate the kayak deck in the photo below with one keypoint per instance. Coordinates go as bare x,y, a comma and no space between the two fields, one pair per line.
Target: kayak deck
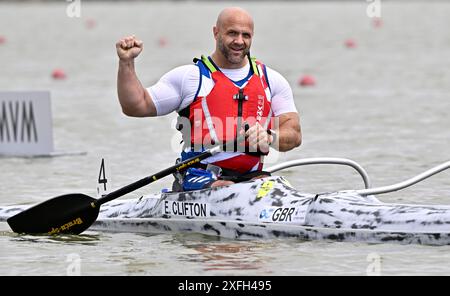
271,208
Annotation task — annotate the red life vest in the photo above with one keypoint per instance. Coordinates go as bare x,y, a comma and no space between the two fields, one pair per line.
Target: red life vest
220,109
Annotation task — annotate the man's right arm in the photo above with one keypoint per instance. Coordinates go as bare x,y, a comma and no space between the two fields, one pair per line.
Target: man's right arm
133,97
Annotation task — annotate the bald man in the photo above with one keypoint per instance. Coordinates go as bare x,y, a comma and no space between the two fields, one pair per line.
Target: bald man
226,98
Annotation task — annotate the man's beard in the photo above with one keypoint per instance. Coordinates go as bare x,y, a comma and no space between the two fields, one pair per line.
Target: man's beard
229,56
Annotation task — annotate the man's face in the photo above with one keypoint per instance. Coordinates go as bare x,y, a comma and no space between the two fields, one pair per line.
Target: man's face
234,41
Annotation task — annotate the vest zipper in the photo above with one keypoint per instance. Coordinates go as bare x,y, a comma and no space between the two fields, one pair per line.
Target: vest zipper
240,97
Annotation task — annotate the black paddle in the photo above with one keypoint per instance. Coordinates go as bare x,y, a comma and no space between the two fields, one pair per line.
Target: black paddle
74,213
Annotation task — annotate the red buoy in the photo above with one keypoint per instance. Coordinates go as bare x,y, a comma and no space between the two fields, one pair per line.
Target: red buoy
377,22
91,23
162,42
307,80
350,43
58,74
2,39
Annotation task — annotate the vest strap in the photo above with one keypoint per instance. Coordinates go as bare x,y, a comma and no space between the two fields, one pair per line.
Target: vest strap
213,69
253,65
208,64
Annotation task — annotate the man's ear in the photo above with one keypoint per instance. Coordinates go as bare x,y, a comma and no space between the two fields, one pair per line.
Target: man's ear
215,32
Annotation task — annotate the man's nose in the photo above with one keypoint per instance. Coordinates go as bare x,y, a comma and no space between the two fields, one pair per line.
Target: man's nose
239,39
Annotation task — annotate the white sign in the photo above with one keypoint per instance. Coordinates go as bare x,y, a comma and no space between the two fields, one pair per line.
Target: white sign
25,123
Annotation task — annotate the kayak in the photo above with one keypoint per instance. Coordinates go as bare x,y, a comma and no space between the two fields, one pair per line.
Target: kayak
271,208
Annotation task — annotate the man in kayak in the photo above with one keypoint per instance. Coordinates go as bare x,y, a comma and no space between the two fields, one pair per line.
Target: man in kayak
228,98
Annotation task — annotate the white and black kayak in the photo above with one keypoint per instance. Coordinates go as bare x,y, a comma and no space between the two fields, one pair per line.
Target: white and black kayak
272,208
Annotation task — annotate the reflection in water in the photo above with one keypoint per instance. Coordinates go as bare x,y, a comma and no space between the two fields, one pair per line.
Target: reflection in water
81,239
223,254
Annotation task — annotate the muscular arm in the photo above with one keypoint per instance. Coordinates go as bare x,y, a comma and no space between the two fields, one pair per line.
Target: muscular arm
289,132
133,97
287,122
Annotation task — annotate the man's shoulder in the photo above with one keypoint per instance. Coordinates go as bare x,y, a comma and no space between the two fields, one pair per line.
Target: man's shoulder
270,70
275,77
186,68
182,72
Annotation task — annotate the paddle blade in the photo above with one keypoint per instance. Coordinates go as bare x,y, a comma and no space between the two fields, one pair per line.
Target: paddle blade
65,214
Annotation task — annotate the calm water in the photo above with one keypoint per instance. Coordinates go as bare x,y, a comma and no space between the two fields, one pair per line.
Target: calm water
383,104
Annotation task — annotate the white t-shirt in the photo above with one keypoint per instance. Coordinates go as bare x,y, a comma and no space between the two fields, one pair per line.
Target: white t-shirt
177,88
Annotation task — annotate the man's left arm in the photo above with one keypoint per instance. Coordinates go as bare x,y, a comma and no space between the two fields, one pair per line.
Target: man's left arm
286,122
285,134
288,133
